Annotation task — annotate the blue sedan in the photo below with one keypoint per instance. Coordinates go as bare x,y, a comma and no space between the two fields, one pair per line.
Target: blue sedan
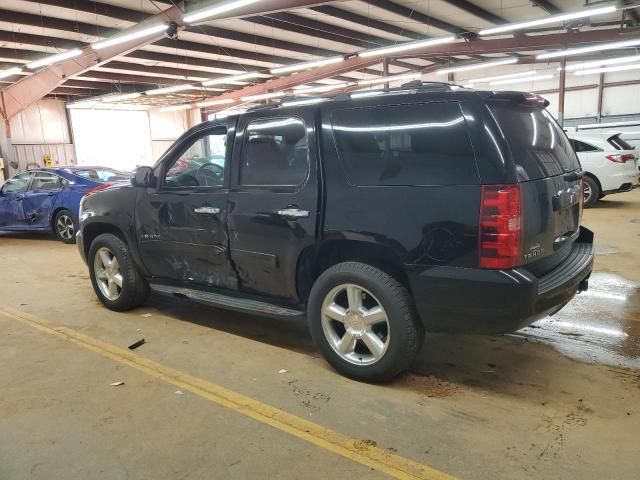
48,199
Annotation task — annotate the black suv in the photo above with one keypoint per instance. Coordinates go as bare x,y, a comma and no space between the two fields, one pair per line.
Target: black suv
377,215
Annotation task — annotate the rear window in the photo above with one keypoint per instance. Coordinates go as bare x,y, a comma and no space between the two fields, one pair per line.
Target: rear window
421,144
619,144
539,146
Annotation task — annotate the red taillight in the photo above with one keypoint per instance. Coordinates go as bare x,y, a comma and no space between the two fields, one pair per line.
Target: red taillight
500,226
621,157
96,189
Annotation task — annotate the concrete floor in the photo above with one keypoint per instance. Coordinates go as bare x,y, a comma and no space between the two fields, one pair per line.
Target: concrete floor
558,400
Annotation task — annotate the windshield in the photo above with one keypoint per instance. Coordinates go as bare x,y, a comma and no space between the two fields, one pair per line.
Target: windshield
539,146
101,175
619,143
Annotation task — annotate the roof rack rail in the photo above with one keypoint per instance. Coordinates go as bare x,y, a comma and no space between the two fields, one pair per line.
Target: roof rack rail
435,86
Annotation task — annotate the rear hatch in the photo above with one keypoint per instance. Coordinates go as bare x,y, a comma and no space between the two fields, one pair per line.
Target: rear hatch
548,170
625,154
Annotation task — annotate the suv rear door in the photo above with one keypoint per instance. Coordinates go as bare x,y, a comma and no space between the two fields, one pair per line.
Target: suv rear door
548,171
273,200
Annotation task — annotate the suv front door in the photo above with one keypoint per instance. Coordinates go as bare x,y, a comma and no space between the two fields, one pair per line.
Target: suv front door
273,201
180,223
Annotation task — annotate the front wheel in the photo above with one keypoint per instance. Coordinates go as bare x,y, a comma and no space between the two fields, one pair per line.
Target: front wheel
364,322
65,226
115,278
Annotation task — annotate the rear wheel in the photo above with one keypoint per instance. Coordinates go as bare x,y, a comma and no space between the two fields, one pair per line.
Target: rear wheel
116,280
364,322
590,191
65,226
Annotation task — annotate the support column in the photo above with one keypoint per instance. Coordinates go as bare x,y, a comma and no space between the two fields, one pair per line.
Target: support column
385,70
561,91
600,94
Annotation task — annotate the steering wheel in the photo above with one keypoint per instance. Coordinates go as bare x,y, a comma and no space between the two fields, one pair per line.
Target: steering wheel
210,175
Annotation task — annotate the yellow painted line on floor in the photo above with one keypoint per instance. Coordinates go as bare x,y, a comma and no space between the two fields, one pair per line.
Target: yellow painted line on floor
355,450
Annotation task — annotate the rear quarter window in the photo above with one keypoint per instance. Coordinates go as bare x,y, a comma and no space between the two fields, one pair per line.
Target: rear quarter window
538,145
421,144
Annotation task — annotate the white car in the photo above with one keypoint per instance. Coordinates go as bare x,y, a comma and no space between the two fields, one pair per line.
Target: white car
610,164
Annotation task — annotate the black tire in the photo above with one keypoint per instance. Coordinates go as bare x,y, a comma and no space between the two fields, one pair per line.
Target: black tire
134,290
592,186
405,331
64,226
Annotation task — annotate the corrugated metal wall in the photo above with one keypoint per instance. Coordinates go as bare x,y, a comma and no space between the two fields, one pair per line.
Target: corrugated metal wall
40,129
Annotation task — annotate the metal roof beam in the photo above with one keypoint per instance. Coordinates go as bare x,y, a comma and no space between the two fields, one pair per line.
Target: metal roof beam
417,16
29,90
479,12
547,6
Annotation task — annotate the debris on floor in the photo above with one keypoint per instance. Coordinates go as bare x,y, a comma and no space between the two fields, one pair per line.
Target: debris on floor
117,384
429,385
137,344
282,370
146,315
179,392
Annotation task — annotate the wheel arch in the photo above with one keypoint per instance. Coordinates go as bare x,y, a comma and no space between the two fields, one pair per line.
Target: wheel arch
314,260
92,230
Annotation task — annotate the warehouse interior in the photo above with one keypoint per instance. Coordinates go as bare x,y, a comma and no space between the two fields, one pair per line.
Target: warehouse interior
211,393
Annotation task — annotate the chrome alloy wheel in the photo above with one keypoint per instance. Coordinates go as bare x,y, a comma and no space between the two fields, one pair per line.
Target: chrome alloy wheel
65,227
107,271
586,192
355,324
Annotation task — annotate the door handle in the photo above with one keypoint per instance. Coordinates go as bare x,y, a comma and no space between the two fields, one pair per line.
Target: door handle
293,213
19,198
207,210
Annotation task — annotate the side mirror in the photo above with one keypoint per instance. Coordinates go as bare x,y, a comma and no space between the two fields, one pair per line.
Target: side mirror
143,177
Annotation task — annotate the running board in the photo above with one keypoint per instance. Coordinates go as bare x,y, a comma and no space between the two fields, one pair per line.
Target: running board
225,301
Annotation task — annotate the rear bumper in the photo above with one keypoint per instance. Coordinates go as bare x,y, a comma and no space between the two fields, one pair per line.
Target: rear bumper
469,300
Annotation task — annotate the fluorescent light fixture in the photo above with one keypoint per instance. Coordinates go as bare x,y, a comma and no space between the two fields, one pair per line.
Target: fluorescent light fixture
592,48
262,96
10,71
604,61
393,78
216,10
619,68
320,89
120,98
211,103
55,58
307,65
176,108
550,19
230,79
172,89
118,39
401,47
476,66
305,101
500,77
525,79
228,113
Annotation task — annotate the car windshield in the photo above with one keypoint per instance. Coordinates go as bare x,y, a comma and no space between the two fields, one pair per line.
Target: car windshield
101,175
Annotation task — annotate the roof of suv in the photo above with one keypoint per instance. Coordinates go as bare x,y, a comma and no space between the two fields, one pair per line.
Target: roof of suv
433,89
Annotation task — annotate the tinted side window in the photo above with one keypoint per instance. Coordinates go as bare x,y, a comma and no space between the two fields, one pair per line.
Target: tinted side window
17,184
43,181
275,152
423,144
539,146
583,147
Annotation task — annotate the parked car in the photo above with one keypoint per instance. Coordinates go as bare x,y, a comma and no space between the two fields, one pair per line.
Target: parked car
47,199
376,216
609,162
